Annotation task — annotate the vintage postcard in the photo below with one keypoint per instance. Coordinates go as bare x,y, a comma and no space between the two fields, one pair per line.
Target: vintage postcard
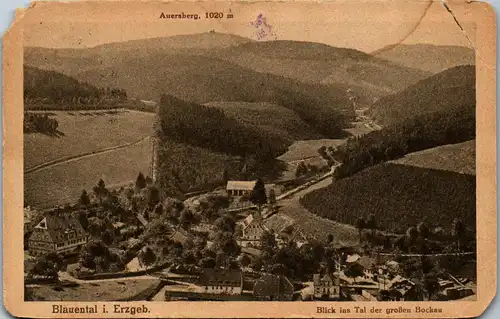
287,159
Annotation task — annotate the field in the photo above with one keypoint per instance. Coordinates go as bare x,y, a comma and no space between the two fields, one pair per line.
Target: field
460,158
86,131
307,149
111,290
310,225
399,196
63,182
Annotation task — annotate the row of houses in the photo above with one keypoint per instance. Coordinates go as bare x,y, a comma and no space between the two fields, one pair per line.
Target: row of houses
228,284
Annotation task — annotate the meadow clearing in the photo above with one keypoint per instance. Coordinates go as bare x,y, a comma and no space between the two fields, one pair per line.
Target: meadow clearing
82,132
63,182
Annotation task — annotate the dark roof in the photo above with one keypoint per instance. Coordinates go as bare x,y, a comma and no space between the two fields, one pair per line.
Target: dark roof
220,277
57,225
272,285
366,261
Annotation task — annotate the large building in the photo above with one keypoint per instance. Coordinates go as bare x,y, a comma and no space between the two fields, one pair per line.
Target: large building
221,281
57,232
240,188
253,228
326,287
273,287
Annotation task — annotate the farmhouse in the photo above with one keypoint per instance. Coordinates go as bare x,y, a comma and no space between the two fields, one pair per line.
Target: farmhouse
326,287
252,229
240,188
272,287
60,233
221,281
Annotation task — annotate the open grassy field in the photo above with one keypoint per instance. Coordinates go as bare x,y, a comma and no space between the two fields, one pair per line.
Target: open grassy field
310,225
63,183
307,148
86,131
460,158
83,134
95,291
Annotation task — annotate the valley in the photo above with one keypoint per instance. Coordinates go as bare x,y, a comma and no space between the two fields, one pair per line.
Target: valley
275,157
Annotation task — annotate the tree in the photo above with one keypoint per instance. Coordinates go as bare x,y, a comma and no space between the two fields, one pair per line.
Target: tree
245,260
360,225
108,237
322,152
84,199
354,271
96,226
140,182
147,257
272,197
458,231
412,235
82,218
258,196
329,239
225,242
221,259
100,190
45,267
207,262
423,230
153,196
225,176
278,269
268,243
225,223
371,222
431,284
300,170
188,218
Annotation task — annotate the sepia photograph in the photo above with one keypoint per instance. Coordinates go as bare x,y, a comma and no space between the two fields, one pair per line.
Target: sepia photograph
236,153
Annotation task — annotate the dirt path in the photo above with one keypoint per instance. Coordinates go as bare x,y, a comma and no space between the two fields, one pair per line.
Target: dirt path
73,158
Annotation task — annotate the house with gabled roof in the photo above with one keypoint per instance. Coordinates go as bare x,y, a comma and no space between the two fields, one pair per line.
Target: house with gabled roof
326,287
240,188
221,281
252,229
273,287
57,232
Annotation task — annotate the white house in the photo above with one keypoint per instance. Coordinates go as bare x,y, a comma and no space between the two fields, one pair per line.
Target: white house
326,287
221,281
240,188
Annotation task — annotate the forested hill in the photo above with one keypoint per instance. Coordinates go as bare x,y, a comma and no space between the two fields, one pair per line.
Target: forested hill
208,127
428,130
49,88
453,88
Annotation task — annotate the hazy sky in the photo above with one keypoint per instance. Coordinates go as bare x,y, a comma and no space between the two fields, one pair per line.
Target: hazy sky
365,27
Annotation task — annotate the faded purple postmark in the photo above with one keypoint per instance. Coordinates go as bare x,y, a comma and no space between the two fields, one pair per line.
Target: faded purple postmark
263,29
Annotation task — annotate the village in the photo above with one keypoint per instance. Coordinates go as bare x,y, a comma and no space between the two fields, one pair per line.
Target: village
218,245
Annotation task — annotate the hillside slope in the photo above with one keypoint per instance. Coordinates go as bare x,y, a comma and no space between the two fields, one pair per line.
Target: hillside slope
368,76
459,158
428,57
175,59
453,88
399,196
271,118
